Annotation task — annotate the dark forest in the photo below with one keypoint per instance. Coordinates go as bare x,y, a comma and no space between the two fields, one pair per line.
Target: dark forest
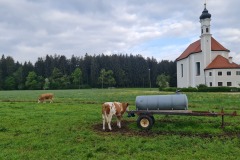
58,72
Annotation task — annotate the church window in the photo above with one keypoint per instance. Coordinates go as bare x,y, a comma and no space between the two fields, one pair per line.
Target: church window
229,73
202,31
237,72
197,68
207,30
220,84
182,69
220,73
210,73
229,83
210,84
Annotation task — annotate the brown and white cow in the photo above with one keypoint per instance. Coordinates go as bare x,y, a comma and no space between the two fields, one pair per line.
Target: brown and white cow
46,97
110,109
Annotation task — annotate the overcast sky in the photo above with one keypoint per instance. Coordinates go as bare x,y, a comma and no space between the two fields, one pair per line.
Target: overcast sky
153,28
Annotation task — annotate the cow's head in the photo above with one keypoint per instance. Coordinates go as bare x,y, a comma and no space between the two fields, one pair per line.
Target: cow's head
125,106
39,100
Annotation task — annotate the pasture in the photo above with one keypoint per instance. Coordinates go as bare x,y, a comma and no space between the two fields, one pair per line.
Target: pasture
71,127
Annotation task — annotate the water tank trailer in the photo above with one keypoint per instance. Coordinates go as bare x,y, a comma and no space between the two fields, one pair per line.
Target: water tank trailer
175,104
162,102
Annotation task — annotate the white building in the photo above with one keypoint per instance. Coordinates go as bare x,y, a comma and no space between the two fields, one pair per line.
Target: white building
206,61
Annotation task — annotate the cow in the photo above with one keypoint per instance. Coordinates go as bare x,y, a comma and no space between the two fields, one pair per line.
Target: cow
46,97
110,109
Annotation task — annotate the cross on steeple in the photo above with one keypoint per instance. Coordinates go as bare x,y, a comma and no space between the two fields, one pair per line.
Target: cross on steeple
205,4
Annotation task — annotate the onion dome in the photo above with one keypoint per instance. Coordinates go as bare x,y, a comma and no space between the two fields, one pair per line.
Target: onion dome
205,13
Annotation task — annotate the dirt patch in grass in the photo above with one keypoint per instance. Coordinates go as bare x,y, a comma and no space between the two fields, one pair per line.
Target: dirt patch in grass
125,130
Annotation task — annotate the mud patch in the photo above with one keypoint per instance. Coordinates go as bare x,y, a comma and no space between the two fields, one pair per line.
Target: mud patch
125,130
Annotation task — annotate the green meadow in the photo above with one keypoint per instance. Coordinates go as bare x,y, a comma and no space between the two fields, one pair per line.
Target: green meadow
71,127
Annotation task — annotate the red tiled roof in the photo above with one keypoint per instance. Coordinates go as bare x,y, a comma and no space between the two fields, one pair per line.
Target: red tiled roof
221,63
216,46
195,47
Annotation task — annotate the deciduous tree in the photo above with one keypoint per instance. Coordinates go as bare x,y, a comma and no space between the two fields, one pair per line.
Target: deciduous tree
163,81
106,78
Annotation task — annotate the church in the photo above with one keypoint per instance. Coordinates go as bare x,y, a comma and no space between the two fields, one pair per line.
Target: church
206,61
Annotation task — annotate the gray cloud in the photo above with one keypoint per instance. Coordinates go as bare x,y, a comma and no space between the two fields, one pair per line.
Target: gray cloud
30,29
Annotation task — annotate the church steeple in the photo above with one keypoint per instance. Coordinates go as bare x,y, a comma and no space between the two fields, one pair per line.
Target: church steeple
205,19
206,36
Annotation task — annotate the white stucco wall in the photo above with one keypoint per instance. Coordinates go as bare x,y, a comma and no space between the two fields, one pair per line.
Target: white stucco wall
197,79
215,78
214,54
183,79
190,77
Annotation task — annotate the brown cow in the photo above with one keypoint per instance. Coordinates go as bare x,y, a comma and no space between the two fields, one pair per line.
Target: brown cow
113,108
46,97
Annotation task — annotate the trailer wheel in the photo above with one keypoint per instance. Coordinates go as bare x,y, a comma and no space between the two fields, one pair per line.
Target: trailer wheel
153,119
145,122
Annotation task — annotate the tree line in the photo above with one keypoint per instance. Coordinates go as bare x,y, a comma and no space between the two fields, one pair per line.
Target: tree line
97,71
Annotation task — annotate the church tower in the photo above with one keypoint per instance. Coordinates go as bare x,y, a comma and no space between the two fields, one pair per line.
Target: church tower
206,35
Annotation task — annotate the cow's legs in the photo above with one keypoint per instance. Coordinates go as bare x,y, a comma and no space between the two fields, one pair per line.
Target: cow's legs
103,116
119,122
109,119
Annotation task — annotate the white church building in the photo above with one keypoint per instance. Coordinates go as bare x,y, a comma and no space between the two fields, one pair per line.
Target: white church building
206,61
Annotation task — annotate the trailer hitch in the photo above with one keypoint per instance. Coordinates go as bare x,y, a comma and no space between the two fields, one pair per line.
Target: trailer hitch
130,114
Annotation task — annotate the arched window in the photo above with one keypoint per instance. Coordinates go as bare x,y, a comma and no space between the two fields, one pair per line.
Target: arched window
182,69
197,68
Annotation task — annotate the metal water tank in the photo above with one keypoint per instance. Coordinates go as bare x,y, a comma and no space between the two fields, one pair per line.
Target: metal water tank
162,102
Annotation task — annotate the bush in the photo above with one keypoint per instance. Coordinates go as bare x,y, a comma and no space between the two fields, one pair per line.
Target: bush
201,88
219,89
168,89
189,89
174,89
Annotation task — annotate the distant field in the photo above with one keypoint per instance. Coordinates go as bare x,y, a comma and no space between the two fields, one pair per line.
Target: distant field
70,128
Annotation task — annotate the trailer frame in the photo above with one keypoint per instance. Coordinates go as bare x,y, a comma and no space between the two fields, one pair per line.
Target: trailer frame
146,119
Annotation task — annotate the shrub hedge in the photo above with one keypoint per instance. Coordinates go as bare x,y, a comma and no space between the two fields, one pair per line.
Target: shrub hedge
202,89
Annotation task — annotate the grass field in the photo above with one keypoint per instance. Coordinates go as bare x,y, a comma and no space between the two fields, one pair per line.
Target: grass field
71,128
